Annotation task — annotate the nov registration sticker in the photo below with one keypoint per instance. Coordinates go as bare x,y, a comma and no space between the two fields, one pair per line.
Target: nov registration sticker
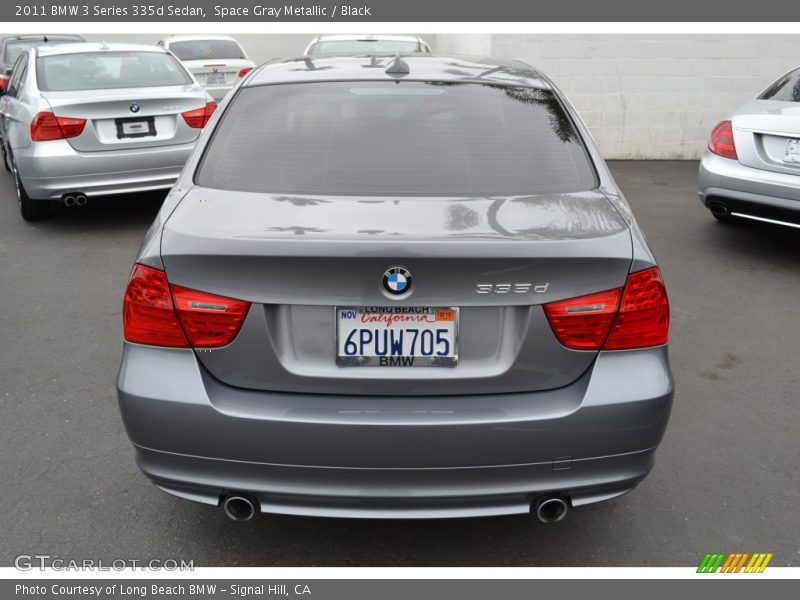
397,336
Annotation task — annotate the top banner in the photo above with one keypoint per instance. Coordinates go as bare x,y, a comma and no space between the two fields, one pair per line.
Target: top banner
361,11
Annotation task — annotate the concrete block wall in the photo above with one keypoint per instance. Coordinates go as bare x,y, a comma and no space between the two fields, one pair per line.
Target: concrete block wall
643,96
650,96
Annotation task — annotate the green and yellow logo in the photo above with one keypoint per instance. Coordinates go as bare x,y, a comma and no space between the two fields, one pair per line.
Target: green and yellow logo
734,562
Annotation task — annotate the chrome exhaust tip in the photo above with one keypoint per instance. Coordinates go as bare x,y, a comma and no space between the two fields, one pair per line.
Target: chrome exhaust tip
718,209
69,200
239,508
551,509
81,200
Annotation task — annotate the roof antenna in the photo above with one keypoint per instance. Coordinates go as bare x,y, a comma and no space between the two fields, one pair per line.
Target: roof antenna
104,45
398,66
44,38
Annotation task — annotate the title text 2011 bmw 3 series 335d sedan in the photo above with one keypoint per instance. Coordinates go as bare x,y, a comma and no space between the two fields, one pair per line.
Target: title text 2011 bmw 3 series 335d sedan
395,288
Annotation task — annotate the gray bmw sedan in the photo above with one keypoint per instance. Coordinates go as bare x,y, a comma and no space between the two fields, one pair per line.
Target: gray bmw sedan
396,288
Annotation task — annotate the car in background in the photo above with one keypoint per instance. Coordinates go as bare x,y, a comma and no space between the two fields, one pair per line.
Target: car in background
218,62
396,288
367,44
751,167
83,120
11,47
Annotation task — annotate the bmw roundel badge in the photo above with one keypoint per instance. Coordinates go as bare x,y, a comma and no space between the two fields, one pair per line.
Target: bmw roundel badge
397,281
134,107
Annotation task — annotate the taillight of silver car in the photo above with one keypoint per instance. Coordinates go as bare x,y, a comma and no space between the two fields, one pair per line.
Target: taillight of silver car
721,142
198,117
46,127
157,313
636,316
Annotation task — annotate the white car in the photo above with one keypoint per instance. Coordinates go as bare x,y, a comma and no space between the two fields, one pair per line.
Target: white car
367,44
216,61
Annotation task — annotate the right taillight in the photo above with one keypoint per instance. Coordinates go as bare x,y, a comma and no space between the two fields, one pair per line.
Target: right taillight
3,83
47,127
721,141
198,117
158,314
583,323
643,319
636,316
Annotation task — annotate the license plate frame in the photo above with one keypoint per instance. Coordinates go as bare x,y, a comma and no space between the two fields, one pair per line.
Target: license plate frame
130,127
403,360
792,155
216,79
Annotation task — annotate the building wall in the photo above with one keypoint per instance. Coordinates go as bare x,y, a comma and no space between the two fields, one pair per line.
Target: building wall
649,96
643,96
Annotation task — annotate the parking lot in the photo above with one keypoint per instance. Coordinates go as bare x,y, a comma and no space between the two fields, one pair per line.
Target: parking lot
726,476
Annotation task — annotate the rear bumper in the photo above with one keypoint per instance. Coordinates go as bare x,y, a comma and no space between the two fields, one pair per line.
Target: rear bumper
398,457
51,169
749,191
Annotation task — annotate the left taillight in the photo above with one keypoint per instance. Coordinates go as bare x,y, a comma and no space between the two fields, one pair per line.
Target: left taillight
198,117
721,141
46,127
209,321
158,314
148,314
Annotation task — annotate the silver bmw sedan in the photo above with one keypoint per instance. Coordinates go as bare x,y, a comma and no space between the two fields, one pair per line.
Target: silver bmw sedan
751,167
85,120
410,290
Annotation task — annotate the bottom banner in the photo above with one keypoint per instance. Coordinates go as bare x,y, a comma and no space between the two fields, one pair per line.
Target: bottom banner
356,589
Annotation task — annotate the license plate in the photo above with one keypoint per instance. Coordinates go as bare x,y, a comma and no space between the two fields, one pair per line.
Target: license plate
215,78
133,128
397,336
792,152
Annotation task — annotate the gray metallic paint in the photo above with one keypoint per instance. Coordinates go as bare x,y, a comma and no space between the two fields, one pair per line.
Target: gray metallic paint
401,457
270,415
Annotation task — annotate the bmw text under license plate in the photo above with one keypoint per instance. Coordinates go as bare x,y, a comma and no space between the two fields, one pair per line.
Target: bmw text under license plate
396,336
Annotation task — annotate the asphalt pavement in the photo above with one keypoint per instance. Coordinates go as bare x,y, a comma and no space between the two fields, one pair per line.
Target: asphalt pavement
726,476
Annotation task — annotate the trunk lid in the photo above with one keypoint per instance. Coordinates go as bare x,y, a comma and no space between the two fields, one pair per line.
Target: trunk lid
763,132
157,109
296,258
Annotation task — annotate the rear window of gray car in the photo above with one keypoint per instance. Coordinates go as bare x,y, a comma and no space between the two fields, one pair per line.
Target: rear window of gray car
108,70
396,138
787,88
206,50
